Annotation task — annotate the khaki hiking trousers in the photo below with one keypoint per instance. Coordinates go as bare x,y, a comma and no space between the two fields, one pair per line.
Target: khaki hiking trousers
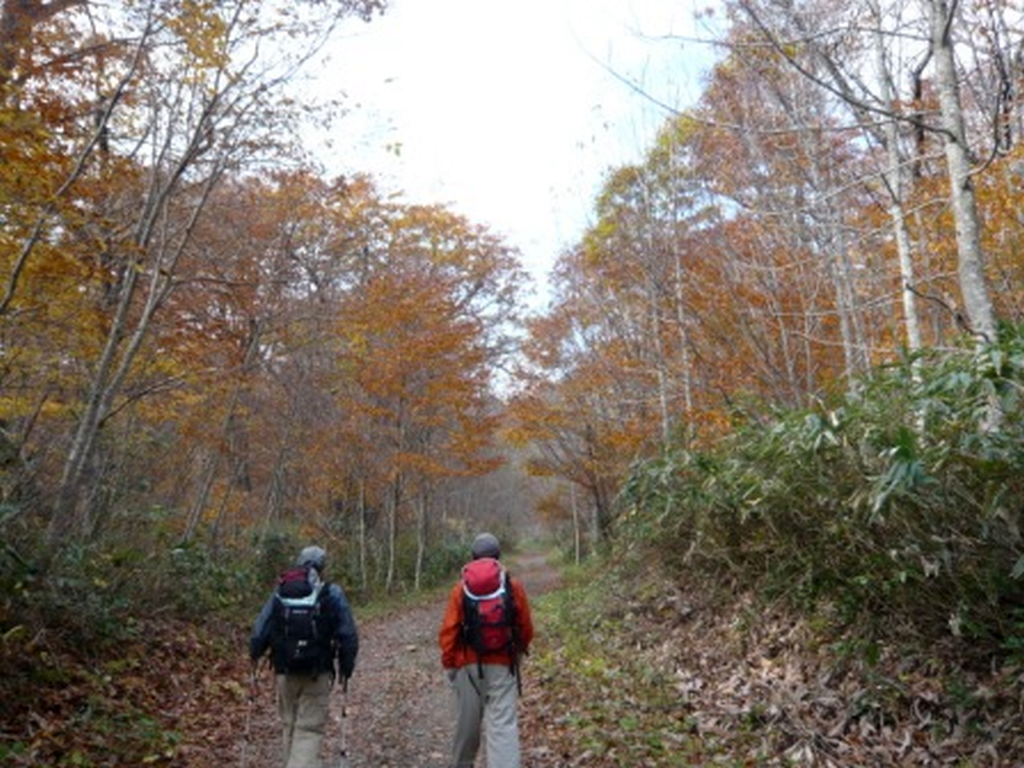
302,702
486,710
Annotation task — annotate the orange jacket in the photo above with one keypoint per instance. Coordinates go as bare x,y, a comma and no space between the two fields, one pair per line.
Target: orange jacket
455,654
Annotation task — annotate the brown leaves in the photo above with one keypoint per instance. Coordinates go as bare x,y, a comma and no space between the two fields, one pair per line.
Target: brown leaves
166,698
744,685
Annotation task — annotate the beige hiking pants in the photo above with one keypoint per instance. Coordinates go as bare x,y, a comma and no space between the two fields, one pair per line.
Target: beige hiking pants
486,707
302,701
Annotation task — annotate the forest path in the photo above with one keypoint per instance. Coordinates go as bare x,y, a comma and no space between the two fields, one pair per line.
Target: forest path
398,712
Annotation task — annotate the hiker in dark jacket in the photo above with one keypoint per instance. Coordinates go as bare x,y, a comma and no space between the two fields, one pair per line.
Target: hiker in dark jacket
303,695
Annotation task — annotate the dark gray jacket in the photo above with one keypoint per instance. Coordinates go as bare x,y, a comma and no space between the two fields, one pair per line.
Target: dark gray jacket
344,638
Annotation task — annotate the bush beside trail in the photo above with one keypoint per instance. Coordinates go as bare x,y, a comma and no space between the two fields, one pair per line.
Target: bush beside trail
892,511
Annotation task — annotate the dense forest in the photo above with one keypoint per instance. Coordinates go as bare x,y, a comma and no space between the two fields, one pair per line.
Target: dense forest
786,357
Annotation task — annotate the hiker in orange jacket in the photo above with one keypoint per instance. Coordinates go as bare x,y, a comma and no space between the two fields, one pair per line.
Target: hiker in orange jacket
485,682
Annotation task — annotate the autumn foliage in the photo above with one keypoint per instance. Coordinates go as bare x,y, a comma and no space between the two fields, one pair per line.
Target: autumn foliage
786,351
197,349
781,238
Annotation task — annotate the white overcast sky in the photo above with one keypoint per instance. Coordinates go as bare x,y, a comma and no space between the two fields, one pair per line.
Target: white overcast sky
505,111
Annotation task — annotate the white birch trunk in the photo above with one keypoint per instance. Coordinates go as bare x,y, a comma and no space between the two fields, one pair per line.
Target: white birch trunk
971,262
894,178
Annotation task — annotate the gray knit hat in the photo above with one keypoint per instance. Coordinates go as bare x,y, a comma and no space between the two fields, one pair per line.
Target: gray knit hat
312,557
486,545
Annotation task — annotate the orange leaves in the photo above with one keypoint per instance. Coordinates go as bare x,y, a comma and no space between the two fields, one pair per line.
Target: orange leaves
414,335
350,340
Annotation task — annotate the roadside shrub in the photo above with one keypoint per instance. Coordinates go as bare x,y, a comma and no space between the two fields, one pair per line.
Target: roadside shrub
94,593
443,561
897,506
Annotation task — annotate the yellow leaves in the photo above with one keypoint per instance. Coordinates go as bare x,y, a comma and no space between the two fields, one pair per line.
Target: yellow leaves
790,50
203,32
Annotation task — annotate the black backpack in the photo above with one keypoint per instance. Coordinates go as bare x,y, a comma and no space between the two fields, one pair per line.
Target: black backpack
300,630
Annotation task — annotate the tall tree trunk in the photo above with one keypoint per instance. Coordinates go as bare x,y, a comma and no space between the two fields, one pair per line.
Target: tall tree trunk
971,262
209,460
685,356
665,417
577,533
126,334
840,270
421,537
893,177
392,511
363,575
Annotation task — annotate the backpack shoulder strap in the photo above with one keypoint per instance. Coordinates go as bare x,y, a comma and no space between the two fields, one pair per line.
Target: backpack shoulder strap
510,599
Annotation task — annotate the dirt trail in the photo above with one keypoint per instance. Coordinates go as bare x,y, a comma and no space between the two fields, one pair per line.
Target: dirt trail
399,710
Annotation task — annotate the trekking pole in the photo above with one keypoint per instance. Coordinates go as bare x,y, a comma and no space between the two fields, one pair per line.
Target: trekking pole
343,745
248,714
517,670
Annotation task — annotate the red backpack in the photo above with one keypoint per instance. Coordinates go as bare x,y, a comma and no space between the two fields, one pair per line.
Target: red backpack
488,624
